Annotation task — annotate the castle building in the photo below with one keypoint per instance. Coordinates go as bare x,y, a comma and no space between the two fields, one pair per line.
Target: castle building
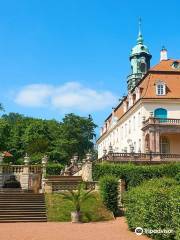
148,118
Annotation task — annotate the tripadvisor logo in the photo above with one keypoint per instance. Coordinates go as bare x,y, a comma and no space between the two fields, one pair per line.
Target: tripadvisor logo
139,231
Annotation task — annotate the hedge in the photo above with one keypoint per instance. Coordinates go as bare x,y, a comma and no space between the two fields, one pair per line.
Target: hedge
54,169
133,174
109,193
177,177
155,205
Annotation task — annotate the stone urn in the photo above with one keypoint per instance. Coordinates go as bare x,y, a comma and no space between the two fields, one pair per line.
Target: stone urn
76,217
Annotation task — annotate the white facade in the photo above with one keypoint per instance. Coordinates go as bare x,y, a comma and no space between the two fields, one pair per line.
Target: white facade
126,135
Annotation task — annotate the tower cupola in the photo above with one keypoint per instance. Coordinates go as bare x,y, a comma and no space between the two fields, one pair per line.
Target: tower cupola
163,54
140,61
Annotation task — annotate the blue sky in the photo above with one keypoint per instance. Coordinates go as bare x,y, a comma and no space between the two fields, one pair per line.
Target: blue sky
67,56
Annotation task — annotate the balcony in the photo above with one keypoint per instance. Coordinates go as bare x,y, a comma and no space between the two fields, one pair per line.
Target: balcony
161,135
161,123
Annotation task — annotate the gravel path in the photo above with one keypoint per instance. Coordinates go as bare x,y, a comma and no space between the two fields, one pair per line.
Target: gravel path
111,230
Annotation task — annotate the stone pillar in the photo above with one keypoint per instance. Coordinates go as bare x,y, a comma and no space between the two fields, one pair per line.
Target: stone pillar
87,169
48,187
1,171
44,162
152,141
24,179
157,142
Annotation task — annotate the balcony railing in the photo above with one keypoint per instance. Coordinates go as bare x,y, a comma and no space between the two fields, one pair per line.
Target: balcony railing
18,169
139,157
161,121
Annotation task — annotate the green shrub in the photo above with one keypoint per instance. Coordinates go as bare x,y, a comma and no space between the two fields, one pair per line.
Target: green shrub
175,208
154,205
109,193
177,177
54,169
133,174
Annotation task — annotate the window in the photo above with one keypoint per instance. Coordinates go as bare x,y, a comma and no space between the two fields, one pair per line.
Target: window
164,145
139,119
139,150
129,126
176,65
160,89
143,67
125,129
160,113
134,123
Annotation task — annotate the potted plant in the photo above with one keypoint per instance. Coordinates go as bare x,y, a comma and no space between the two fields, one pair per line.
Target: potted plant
77,197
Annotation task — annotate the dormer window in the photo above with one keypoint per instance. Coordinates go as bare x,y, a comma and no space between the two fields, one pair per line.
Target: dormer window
160,88
176,65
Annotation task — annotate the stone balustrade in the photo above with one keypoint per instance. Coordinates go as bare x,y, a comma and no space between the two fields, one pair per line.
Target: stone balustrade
30,176
161,122
139,157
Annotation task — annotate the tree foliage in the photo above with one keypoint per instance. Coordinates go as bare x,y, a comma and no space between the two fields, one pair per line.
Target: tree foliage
60,140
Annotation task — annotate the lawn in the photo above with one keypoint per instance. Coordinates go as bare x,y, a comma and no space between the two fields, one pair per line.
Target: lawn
59,209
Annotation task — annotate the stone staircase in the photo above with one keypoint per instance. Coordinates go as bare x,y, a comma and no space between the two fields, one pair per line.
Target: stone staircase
18,206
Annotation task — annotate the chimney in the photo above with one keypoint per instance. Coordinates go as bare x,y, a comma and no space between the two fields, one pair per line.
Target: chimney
163,54
113,109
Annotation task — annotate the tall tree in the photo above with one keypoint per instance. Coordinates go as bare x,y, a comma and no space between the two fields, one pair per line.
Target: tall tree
60,140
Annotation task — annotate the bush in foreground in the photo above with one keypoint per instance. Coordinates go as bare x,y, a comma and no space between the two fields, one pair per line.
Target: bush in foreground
155,205
109,193
133,174
177,177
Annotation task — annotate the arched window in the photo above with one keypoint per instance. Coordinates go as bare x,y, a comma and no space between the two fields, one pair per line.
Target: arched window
143,67
160,113
160,88
164,145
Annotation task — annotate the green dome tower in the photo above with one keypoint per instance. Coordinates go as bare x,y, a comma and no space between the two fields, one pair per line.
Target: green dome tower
140,61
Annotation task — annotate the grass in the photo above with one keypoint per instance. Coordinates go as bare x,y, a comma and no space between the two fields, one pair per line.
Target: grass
59,210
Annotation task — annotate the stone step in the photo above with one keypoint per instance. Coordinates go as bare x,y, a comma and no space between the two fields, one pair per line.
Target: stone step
22,217
20,211
22,220
40,208
22,200
22,207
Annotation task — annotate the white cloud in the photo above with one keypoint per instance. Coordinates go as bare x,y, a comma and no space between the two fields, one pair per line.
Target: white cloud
35,95
70,96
